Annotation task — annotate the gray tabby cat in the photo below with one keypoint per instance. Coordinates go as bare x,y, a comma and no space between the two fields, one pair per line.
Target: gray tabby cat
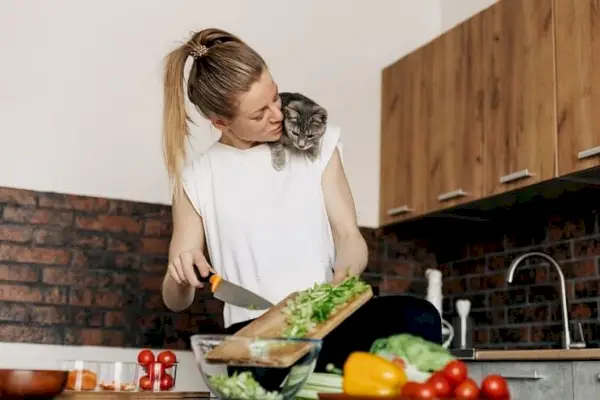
304,123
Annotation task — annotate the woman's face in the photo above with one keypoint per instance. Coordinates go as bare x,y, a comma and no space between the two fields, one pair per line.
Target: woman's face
259,115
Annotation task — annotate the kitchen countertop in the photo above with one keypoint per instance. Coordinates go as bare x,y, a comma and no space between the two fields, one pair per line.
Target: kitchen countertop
528,355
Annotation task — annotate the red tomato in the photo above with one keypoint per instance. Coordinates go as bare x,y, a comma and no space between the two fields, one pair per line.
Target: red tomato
145,383
167,358
166,382
455,372
467,390
145,357
440,385
424,392
494,387
409,389
156,371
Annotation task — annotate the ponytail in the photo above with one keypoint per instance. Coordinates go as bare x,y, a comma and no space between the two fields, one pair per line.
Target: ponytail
175,118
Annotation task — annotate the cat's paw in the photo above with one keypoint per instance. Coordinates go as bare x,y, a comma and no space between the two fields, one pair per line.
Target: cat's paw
278,163
313,153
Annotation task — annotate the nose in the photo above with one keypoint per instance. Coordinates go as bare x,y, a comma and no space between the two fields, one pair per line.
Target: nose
276,115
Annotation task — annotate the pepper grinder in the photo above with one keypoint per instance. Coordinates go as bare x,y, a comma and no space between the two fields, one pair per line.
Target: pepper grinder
463,325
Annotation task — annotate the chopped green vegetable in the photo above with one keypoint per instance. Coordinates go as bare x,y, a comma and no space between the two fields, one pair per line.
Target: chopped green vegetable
315,305
319,382
424,355
241,386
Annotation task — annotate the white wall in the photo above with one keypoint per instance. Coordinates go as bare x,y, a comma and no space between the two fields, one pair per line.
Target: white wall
80,90
456,11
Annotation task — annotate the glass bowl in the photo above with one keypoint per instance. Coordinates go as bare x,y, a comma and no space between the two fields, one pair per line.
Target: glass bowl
236,367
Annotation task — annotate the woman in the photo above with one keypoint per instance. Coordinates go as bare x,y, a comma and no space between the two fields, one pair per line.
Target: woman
273,232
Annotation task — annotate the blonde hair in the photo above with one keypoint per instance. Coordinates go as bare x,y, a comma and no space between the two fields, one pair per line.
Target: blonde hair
223,68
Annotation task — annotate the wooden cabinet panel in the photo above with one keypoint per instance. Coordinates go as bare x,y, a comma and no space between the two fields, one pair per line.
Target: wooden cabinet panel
578,84
519,112
405,92
455,140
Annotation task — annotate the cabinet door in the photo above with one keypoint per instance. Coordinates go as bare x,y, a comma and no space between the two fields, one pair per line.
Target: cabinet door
405,92
586,379
535,380
519,114
455,141
578,84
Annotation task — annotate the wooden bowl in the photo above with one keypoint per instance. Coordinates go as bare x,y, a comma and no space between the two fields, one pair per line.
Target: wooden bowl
31,384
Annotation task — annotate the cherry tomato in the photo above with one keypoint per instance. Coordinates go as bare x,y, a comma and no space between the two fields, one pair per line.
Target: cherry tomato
167,358
494,387
156,371
166,382
409,389
467,390
455,372
145,357
440,385
424,392
145,383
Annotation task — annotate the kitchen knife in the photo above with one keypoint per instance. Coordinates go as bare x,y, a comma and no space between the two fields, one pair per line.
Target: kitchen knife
233,294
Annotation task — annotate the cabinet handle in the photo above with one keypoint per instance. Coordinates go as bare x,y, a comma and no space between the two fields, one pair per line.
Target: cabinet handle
399,211
451,195
594,151
515,176
534,377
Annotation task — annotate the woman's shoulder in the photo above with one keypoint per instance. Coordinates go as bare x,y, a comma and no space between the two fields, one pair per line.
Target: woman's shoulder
330,141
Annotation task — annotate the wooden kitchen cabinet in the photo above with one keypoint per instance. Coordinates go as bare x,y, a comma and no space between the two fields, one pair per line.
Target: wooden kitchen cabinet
455,141
578,84
519,116
405,103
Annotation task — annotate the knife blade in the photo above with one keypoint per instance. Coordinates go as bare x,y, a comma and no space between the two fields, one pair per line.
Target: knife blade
231,293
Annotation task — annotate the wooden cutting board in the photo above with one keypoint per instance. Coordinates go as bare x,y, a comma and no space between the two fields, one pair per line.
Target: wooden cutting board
271,325
107,395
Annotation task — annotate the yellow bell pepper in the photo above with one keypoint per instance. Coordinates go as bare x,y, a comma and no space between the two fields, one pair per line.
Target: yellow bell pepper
366,374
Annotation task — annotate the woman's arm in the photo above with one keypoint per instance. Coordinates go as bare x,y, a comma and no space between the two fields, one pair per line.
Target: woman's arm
188,235
350,246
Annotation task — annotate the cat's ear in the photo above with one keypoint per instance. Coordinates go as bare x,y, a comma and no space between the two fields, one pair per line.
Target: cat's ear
291,113
321,116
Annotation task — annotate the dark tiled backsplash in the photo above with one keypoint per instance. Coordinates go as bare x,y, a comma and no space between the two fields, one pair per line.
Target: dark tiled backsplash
84,270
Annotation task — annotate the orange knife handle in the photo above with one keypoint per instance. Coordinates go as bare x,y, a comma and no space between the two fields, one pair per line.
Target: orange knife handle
212,278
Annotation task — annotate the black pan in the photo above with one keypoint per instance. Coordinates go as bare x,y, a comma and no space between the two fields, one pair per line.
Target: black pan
380,317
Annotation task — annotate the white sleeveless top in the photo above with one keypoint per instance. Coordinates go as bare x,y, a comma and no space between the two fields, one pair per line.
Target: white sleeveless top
266,230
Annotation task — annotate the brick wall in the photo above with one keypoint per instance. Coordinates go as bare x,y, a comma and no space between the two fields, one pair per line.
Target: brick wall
474,258
84,270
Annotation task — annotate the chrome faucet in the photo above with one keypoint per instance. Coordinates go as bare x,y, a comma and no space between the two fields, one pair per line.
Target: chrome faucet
563,292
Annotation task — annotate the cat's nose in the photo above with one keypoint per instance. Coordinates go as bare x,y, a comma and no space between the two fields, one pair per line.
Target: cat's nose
301,143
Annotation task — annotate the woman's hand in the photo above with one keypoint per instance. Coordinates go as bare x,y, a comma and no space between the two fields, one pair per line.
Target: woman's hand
181,268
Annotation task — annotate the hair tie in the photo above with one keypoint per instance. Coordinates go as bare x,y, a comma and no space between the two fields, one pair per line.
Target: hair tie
198,51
